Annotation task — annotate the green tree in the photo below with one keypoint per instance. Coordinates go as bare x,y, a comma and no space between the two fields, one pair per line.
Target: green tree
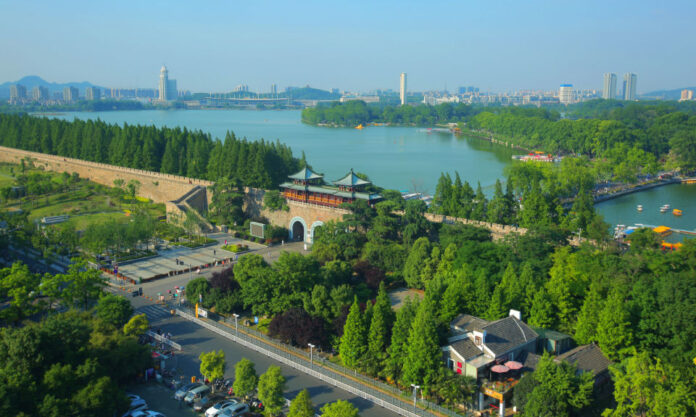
21,286
245,378
614,333
213,364
114,310
417,257
302,405
271,387
81,284
339,408
423,354
354,340
397,348
380,331
137,325
588,319
542,311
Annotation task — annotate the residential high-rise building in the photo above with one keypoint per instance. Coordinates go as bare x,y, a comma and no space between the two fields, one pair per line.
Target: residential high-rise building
566,94
18,92
274,89
92,93
609,91
402,89
629,81
167,87
39,93
686,95
70,94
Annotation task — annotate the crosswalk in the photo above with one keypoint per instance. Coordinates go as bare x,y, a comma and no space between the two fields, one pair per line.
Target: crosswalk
153,312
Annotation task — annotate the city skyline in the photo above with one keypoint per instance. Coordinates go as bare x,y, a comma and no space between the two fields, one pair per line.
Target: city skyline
505,47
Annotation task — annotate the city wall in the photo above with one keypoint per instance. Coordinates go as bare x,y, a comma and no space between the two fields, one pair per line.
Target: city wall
158,187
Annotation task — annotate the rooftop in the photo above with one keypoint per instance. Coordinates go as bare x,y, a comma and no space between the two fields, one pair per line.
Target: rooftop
468,323
305,174
587,358
332,191
466,349
506,334
351,180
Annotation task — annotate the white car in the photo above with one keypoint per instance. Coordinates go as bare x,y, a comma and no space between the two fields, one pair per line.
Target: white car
218,408
136,404
148,413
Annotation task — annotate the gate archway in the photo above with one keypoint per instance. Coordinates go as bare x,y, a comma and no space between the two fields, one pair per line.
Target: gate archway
316,225
298,229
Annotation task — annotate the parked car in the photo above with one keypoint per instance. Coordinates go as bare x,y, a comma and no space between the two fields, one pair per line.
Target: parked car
136,404
220,407
148,413
181,392
235,411
196,394
205,402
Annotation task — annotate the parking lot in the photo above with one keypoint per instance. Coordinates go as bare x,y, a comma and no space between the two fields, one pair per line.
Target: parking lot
160,398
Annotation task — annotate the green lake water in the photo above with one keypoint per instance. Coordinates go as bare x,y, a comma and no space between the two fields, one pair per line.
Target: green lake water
402,158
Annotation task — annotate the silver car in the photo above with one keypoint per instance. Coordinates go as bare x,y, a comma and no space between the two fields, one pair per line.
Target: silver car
181,392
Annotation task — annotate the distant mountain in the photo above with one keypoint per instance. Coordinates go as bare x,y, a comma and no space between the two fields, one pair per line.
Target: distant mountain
309,93
32,81
666,94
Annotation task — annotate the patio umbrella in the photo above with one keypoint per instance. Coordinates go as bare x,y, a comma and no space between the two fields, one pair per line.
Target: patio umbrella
513,365
500,369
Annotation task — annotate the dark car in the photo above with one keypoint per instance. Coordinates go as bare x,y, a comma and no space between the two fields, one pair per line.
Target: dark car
206,402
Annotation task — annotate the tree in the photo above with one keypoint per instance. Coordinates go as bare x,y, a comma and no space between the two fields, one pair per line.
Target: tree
296,327
20,285
339,408
423,354
271,387
81,284
136,326
588,319
302,405
245,378
354,340
645,387
213,364
419,253
132,188
542,312
380,331
614,333
114,310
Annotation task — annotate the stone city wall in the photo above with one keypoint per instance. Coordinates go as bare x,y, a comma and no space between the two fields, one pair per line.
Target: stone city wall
156,186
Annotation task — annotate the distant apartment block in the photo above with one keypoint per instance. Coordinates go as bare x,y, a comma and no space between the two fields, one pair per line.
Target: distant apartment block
39,93
71,94
402,89
274,89
92,93
566,95
629,86
18,93
687,95
167,87
609,90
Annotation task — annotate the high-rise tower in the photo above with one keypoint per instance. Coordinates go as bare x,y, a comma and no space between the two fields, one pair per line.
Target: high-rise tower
566,95
609,91
630,80
402,89
164,84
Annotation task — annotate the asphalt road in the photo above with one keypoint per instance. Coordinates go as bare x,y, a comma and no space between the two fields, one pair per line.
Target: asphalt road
195,340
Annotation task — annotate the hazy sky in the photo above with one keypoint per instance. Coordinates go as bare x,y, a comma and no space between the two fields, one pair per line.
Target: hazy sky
214,45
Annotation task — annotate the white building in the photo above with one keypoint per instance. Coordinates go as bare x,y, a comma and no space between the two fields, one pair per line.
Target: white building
93,93
566,95
609,90
167,87
629,81
70,94
402,89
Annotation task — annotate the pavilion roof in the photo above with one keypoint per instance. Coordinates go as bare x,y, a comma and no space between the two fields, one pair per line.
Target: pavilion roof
305,174
351,180
331,191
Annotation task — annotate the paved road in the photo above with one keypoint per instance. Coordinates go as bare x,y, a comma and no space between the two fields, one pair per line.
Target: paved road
195,340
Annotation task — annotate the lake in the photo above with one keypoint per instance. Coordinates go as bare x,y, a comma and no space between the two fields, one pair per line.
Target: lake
401,158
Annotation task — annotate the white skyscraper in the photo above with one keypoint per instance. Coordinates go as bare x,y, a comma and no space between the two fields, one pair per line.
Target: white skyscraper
629,81
402,89
164,84
566,94
609,91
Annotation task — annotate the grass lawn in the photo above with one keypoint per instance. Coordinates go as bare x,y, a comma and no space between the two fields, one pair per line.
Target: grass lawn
6,180
81,222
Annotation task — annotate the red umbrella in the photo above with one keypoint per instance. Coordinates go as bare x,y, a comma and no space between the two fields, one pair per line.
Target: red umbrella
513,365
500,369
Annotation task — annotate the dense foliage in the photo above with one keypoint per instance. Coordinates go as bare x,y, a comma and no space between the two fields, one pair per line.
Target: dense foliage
172,151
355,112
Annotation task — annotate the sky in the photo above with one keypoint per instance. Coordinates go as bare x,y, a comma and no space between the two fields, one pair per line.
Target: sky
215,45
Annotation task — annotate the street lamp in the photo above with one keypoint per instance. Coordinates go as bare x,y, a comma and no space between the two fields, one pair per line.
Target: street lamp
236,328
415,388
311,356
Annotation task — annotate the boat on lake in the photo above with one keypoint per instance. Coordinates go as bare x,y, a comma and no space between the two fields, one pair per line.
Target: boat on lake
677,212
640,207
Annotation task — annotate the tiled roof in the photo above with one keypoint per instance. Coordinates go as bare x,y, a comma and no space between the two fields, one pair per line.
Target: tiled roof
468,323
331,191
351,180
306,174
530,361
466,349
507,334
586,358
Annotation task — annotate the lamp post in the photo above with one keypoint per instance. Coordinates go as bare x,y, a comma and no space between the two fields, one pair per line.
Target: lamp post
311,354
236,327
415,389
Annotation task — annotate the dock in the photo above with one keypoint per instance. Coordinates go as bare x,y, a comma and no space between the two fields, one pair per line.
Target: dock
691,180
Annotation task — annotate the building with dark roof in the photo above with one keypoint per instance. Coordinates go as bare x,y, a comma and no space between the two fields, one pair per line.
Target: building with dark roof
589,358
308,187
478,344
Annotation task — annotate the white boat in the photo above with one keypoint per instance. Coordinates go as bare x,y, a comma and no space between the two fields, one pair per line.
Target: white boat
640,207
664,209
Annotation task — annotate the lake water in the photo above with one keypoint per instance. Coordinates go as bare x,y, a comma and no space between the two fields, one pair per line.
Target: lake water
402,158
